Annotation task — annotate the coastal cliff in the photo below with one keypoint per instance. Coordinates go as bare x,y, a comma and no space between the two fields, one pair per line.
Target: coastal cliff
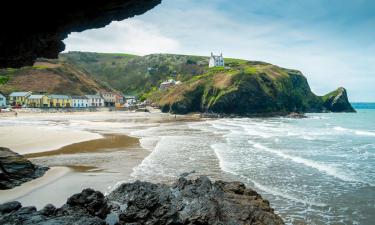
251,88
197,201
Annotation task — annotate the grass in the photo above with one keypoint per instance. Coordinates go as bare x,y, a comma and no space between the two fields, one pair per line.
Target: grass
40,67
3,79
250,70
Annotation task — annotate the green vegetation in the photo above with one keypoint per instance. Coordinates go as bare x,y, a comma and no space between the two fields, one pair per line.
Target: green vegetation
135,74
241,87
3,79
50,76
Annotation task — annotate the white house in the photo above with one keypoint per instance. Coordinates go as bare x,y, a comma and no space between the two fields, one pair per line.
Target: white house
216,60
80,102
3,101
109,98
95,100
167,84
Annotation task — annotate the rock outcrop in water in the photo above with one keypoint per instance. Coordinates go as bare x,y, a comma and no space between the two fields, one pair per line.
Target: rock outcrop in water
198,201
337,101
15,169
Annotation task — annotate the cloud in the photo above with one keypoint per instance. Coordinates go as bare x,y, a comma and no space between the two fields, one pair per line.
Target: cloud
325,43
130,36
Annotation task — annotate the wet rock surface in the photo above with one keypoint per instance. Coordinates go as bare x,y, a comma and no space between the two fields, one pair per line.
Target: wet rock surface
15,169
197,201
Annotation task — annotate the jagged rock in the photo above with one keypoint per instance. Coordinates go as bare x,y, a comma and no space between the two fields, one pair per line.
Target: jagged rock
15,169
93,201
198,201
337,101
191,202
39,32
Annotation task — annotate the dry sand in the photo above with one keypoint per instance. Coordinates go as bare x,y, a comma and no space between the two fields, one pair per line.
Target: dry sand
29,139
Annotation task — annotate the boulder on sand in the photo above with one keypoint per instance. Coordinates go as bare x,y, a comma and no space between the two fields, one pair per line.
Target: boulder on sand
15,169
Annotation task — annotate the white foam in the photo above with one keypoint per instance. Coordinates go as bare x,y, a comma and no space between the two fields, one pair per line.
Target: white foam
357,132
224,167
319,166
340,128
276,192
365,133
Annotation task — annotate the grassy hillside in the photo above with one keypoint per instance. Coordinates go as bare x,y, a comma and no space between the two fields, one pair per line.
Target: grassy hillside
49,76
246,87
137,74
242,87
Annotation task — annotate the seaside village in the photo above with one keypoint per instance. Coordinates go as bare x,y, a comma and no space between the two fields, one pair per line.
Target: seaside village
28,99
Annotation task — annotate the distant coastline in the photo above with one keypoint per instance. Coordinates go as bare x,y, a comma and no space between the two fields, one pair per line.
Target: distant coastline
363,105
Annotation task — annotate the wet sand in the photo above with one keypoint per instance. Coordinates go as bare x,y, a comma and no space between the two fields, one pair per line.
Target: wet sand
110,142
89,164
51,175
93,148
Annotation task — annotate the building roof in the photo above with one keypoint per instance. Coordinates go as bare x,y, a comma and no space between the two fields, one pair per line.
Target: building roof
59,96
93,96
19,94
36,96
170,81
78,97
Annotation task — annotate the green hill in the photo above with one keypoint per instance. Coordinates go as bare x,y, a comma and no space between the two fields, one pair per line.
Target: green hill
242,87
50,76
137,74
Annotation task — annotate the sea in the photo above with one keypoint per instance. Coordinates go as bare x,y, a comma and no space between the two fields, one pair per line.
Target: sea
315,170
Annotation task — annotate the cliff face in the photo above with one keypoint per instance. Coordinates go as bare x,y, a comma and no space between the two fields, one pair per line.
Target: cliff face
198,201
250,88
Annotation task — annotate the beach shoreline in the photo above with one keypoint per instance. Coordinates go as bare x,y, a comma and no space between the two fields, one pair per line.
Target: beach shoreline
95,155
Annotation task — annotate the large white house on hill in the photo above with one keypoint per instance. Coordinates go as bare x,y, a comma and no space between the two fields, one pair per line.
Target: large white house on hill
216,60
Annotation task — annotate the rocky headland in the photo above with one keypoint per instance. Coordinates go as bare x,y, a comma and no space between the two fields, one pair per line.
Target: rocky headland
16,170
187,201
249,88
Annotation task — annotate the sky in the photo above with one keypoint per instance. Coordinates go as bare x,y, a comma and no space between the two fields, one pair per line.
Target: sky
332,42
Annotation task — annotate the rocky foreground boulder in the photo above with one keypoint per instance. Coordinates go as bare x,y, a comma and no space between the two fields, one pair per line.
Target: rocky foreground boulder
197,201
15,169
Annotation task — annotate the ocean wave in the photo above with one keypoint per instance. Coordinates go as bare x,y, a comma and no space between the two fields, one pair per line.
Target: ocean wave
340,128
357,132
319,166
276,192
365,133
224,166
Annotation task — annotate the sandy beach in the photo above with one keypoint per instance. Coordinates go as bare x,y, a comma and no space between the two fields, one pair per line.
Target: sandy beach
83,149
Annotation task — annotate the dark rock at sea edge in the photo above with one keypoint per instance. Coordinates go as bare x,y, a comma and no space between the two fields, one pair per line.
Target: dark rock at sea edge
16,170
337,101
197,201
